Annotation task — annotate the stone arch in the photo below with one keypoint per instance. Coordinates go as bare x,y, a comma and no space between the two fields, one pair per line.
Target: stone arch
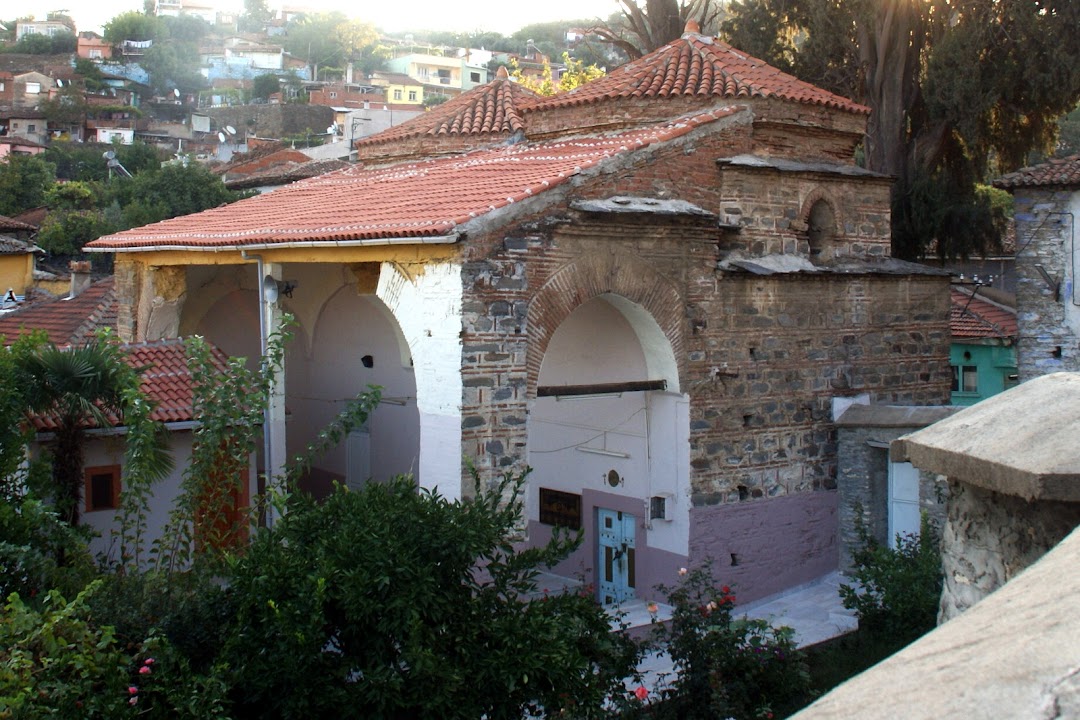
654,302
821,217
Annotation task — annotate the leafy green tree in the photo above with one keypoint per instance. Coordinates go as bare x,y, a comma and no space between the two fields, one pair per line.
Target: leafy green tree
66,232
185,28
134,26
24,180
637,30
36,44
958,91
76,387
91,74
322,38
265,86
171,65
374,598
255,16
172,190
67,107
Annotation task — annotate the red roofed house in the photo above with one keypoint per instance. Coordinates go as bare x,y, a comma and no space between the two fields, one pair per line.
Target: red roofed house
1046,204
649,290
983,353
166,381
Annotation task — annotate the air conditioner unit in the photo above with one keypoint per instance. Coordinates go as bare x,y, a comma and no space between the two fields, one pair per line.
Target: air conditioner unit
662,507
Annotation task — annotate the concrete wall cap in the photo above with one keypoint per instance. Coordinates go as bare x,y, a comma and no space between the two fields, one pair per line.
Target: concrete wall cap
1021,442
896,416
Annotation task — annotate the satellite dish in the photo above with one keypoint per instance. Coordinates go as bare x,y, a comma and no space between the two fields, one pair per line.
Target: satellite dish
59,83
109,155
230,129
221,137
176,92
332,130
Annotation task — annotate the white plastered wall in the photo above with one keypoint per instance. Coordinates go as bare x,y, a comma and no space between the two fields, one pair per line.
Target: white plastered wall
427,305
611,339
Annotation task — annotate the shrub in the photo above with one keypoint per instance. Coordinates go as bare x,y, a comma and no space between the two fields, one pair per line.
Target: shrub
726,667
898,589
390,602
55,662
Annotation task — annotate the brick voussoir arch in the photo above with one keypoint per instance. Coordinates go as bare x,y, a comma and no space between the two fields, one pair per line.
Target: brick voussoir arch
588,277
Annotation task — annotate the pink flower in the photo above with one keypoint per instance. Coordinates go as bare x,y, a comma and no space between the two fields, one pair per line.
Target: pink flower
148,661
133,700
133,690
144,670
683,571
641,693
652,608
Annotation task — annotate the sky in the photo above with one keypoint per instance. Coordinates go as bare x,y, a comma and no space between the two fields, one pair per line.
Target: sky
503,16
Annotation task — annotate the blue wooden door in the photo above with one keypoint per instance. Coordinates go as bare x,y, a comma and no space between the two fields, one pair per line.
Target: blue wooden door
616,560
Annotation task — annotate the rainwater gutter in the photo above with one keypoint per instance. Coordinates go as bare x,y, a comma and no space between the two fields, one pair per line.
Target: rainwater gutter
264,342
292,244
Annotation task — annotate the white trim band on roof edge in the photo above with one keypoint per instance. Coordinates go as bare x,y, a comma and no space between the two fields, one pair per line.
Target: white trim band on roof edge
292,244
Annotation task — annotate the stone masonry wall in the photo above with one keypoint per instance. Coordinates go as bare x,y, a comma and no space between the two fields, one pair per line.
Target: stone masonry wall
990,537
775,350
1048,325
863,481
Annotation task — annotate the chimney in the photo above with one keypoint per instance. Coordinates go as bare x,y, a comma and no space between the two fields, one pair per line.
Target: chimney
349,73
80,276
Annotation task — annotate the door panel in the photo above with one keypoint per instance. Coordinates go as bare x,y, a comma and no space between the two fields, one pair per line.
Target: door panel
617,571
904,514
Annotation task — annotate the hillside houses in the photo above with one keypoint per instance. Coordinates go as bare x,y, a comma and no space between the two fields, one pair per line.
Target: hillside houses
650,291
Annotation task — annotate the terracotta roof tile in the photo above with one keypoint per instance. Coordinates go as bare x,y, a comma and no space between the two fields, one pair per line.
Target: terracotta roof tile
701,66
1064,172
285,173
165,380
974,317
65,321
409,200
494,108
11,224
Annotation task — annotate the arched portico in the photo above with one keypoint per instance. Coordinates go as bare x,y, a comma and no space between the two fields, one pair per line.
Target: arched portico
609,457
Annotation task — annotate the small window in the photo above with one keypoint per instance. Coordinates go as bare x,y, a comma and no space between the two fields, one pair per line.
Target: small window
31,128
560,508
333,95
412,96
397,94
102,490
474,77
965,379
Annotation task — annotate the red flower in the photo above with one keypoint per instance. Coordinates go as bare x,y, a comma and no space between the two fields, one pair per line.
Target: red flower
641,693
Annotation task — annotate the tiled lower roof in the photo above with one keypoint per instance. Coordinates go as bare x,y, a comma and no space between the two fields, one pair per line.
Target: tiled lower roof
1064,172
65,321
14,246
696,65
165,380
973,317
408,202
12,225
494,108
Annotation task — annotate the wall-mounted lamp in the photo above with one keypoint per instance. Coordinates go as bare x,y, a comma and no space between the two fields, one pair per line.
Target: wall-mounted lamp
600,451
272,288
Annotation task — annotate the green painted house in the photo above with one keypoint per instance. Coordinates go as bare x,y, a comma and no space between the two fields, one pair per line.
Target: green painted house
983,350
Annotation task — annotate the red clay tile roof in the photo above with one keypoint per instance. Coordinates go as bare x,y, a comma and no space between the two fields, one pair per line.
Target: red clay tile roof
974,317
411,200
697,65
285,173
165,380
1065,172
65,321
12,225
491,108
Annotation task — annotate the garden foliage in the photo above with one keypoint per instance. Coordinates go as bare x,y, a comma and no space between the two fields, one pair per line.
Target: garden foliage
728,667
898,590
